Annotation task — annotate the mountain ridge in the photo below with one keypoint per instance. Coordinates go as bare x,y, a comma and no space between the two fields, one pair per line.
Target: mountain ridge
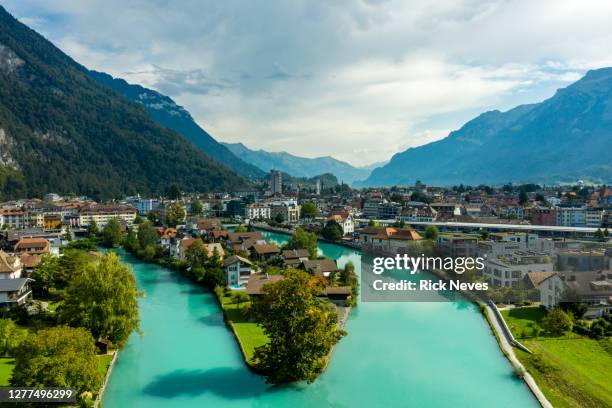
169,114
63,132
563,138
296,165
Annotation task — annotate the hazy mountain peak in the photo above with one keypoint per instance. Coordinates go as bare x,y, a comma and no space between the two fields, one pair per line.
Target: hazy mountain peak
564,138
298,166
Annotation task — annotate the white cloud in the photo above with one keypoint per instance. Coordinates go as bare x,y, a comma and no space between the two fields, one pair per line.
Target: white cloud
357,80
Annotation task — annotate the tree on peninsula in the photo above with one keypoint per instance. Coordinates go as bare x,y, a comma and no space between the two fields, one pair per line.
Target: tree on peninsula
301,327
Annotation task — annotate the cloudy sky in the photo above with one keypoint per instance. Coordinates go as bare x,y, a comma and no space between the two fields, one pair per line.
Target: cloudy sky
357,80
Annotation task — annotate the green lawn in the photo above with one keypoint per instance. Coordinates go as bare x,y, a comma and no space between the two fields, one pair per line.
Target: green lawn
521,320
104,361
572,371
6,370
250,334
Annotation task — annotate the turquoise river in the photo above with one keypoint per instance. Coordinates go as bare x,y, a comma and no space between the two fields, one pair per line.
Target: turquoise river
395,355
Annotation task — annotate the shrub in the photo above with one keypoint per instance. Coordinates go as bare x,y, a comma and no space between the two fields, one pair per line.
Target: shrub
557,322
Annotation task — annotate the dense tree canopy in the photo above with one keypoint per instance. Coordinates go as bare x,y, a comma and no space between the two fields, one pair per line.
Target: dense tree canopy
92,230
58,357
54,273
309,210
175,214
111,234
302,239
11,337
301,327
68,133
147,234
103,298
43,275
196,207
332,231
196,255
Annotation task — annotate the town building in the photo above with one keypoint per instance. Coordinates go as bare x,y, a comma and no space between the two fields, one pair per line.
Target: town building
543,216
549,285
582,260
320,267
592,288
34,246
13,218
257,281
276,182
459,246
257,211
387,239
571,216
244,241
10,266
446,210
345,220
593,217
14,292
238,270
509,271
290,212
292,258
421,213
264,252
101,214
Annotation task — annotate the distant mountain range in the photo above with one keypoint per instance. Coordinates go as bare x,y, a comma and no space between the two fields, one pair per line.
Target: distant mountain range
298,166
564,138
62,131
168,114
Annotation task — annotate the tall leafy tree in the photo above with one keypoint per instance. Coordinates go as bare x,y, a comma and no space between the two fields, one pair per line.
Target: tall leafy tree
175,214
58,357
196,207
332,231
11,336
104,299
302,329
44,275
302,239
111,234
348,277
196,255
309,210
147,234
92,230
130,243
71,264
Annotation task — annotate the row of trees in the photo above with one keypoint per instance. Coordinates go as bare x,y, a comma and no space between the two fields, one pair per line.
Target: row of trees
98,299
